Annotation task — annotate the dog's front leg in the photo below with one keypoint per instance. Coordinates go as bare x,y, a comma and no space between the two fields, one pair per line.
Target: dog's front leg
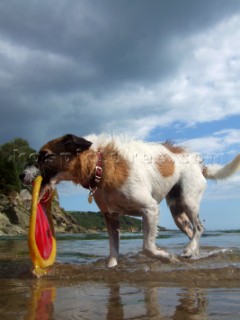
113,228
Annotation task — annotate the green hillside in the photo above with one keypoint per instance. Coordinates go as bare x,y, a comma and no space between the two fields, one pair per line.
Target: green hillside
96,221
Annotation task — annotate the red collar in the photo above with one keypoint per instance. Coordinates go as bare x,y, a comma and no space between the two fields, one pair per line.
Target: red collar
94,181
98,171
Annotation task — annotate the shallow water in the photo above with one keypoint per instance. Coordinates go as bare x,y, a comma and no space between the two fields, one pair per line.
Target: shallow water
80,286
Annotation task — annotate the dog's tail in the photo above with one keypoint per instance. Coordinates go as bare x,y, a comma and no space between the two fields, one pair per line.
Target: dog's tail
218,172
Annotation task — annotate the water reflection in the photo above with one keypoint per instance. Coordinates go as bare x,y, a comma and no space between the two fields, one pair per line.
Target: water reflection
191,305
41,302
114,305
46,299
115,302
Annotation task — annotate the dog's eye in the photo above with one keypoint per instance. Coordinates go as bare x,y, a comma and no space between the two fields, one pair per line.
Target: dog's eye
50,156
44,156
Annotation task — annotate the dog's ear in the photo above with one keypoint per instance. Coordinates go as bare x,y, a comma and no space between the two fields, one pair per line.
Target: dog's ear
74,144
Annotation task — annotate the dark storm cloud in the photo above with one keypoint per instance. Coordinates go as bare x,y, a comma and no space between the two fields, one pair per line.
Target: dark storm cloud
64,64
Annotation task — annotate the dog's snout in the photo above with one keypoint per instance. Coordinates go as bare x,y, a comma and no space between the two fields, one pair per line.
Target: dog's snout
29,174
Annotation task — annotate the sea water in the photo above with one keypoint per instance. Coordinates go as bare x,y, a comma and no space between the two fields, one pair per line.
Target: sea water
80,286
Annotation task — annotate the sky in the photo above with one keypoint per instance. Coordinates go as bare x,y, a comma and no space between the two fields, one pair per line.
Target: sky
152,69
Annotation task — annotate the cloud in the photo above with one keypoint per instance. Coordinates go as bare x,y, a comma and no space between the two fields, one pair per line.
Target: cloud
224,144
86,67
206,86
230,136
203,88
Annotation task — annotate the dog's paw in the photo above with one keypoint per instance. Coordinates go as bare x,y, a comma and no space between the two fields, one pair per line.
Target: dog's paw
173,258
188,253
162,255
191,250
112,262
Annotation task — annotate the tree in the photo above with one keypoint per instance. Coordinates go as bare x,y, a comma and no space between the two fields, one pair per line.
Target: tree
14,156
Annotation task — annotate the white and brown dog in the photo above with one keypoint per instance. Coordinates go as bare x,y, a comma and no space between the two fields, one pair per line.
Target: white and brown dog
128,177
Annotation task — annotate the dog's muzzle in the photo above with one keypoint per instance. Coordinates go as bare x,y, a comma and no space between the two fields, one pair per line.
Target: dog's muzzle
29,175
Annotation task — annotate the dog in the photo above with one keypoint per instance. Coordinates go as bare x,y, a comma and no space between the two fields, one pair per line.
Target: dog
129,177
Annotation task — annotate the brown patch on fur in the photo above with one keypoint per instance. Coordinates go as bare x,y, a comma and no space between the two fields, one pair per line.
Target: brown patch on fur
82,168
115,168
172,148
166,166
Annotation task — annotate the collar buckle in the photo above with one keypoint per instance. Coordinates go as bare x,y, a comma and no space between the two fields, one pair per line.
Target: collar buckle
98,173
97,177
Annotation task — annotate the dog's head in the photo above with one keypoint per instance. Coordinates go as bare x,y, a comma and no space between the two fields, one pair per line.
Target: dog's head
54,160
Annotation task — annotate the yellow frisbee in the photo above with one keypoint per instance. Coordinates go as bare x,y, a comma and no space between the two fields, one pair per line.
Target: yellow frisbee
41,236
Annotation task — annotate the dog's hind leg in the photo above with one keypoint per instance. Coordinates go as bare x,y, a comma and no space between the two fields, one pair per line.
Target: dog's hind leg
184,202
150,221
180,218
113,228
191,204
192,248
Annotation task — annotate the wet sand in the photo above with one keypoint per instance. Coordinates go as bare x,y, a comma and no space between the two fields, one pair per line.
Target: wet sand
222,269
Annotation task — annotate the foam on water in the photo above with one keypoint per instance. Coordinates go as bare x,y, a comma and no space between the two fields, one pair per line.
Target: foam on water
216,252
